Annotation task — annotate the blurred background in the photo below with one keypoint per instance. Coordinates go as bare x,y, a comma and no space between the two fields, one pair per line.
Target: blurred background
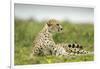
29,20
42,12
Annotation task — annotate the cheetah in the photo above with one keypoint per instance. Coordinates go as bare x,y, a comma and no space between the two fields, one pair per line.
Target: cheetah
45,45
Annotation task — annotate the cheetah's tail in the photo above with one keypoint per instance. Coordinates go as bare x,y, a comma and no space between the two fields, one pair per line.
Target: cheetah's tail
76,49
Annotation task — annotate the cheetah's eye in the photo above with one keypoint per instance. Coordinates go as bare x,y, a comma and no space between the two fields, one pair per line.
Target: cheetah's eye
57,24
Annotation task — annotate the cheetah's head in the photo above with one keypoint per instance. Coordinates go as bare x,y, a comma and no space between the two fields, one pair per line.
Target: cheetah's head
54,26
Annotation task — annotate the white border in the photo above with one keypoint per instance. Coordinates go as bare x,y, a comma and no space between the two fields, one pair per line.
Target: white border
45,66
12,34
77,3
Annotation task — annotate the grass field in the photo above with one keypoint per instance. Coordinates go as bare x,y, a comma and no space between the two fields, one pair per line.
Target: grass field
26,31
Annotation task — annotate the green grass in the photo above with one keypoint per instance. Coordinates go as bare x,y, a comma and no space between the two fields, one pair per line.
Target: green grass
26,31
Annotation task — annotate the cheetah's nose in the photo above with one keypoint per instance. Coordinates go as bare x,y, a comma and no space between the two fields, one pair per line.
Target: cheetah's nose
61,28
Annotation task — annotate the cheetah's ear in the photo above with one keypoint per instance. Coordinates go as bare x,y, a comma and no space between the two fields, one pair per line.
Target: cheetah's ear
49,23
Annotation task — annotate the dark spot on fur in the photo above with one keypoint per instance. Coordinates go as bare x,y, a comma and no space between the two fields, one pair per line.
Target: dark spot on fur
46,36
51,45
61,28
57,24
78,52
50,52
55,51
53,48
81,47
69,45
59,54
45,39
71,51
74,52
73,46
75,49
77,46
41,48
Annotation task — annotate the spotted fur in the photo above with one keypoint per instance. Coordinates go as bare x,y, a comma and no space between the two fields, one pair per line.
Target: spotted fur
45,45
